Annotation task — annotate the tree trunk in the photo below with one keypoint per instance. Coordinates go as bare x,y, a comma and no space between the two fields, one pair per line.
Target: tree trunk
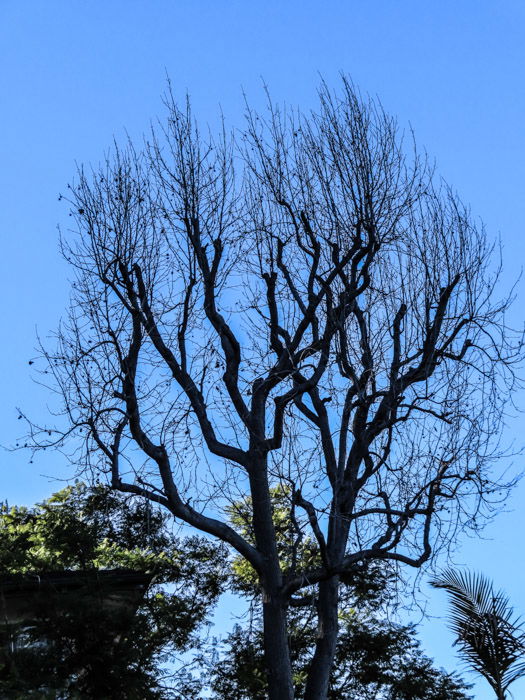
328,628
276,650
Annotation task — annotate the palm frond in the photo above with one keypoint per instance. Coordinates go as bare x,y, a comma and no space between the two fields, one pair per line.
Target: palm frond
489,635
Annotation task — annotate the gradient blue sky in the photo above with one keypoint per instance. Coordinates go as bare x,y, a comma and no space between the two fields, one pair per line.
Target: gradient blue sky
74,74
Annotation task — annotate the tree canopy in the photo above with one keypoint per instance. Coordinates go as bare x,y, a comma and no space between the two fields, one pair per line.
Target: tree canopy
75,646
376,657
76,642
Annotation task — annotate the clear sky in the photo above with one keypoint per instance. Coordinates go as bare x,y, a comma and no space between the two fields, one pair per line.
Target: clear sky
75,73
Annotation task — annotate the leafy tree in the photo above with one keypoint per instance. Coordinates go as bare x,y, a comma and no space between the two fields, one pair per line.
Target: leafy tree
86,530
489,635
79,645
305,304
375,659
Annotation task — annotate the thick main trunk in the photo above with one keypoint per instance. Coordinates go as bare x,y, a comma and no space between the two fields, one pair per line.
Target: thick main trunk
276,650
328,628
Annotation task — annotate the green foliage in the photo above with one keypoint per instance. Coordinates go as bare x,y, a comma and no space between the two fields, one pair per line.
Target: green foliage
379,659
293,550
80,528
489,636
375,659
76,645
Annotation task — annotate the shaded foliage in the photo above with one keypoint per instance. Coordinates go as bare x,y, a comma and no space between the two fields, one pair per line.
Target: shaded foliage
375,658
374,661
76,643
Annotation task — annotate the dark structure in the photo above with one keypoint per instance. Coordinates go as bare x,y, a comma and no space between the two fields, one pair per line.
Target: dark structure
65,630
22,597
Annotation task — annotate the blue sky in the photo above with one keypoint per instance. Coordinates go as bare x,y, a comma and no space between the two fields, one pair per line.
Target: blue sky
74,74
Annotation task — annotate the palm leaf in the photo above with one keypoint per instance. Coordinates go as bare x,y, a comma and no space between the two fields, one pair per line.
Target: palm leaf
489,635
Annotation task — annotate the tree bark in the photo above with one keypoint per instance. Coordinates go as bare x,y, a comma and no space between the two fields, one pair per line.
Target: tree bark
328,628
276,649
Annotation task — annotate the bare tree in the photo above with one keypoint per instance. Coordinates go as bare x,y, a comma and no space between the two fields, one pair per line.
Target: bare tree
303,305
